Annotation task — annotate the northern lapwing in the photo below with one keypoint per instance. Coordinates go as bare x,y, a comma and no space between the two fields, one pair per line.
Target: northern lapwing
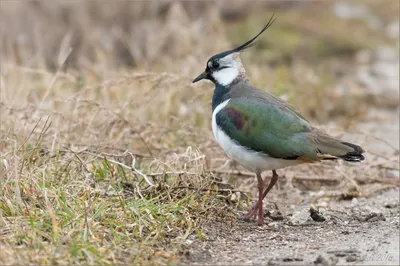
260,131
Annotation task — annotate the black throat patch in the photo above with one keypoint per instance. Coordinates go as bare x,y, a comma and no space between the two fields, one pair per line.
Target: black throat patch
221,93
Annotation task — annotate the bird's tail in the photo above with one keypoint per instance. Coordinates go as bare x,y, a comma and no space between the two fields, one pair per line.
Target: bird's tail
353,156
329,148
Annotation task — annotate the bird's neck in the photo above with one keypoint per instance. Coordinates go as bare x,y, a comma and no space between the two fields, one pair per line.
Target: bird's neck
221,93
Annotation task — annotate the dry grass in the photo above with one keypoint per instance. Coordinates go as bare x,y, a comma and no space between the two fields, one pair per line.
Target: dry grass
106,154
96,175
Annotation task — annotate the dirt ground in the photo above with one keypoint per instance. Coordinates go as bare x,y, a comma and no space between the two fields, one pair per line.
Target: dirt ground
362,232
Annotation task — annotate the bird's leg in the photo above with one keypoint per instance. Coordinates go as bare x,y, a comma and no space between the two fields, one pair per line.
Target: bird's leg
271,183
253,210
260,199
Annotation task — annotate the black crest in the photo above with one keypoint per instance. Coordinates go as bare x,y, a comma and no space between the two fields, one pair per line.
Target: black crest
247,44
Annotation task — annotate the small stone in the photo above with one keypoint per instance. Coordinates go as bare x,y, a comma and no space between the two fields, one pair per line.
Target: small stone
272,262
321,260
391,205
351,258
300,217
374,217
274,215
316,215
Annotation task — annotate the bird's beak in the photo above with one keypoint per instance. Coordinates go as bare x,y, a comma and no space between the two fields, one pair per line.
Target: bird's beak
203,75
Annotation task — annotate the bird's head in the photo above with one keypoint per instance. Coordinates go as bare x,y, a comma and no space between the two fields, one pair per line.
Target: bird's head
226,67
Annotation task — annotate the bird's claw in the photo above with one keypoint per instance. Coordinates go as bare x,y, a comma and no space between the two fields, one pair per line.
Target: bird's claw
251,214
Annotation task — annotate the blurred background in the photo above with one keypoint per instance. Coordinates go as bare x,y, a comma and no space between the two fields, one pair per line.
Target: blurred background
82,80
313,46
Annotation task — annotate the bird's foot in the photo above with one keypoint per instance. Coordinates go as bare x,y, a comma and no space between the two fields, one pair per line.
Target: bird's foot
252,214
260,220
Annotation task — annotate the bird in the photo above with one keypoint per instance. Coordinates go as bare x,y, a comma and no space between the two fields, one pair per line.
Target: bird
260,131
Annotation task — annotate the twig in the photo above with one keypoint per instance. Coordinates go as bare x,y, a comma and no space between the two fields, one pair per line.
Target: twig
138,172
239,173
92,150
316,179
44,130
138,191
30,134
132,167
137,155
172,173
386,181
79,159
231,191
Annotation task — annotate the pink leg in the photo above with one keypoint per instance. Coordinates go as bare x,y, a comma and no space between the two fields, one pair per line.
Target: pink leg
260,199
253,210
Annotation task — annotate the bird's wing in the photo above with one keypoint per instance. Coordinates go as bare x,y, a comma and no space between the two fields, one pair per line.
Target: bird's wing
264,126
245,87
276,130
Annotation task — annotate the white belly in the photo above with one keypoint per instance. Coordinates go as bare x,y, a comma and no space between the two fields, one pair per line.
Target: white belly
251,160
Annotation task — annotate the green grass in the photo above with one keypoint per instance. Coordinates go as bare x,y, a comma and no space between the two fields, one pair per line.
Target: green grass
85,209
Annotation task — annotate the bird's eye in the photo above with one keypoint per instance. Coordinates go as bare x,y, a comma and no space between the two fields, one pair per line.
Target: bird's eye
215,64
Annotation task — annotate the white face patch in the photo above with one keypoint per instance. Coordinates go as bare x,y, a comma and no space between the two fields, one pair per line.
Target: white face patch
226,76
230,67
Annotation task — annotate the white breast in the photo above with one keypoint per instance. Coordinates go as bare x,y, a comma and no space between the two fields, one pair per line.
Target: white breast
251,160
